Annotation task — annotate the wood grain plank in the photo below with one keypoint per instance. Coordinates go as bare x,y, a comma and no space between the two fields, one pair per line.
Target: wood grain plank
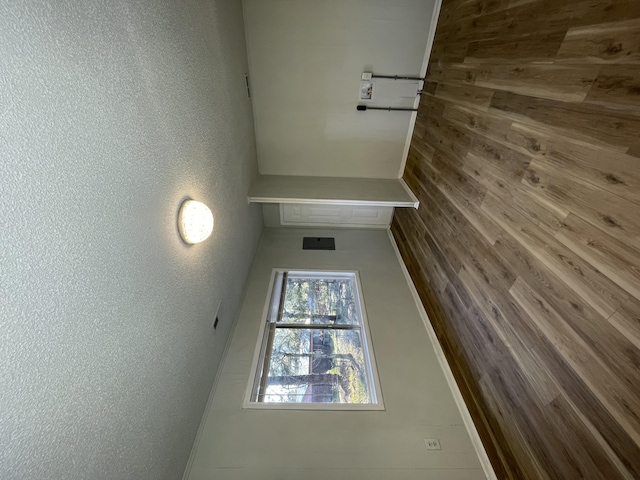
580,355
613,258
516,20
617,216
452,181
567,83
619,174
614,42
482,123
465,195
627,321
503,316
452,11
421,147
476,97
526,204
530,48
600,11
522,16
634,150
622,468
523,449
609,126
445,51
613,349
617,86
448,138
594,288
578,441
580,393
513,164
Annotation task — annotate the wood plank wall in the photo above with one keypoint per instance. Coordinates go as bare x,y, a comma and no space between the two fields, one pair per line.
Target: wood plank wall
526,245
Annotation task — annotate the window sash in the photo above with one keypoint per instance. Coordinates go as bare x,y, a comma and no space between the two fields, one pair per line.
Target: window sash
274,312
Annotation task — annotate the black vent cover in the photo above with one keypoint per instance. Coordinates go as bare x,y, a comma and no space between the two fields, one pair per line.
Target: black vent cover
318,243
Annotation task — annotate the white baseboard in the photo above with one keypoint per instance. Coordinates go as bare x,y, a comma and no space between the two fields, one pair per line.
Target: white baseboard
423,73
446,369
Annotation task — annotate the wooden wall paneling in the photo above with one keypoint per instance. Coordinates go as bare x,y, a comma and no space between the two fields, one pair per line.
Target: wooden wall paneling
520,15
477,97
452,182
634,150
461,206
613,258
463,192
517,335
612,391
613,350
584,319
522,450
595,289
520,199
578,159
549,424
585,13
526,247
482,123
454,10
566,83
536,47
573,384
610,178
597,418
617,216
614,42
617,86
611,126
568,377
513,164
627,321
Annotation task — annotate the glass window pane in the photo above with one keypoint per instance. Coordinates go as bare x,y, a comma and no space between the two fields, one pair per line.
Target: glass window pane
317,366
324,301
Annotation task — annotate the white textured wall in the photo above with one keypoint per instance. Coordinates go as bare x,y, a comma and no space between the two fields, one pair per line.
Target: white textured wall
249,444
110,114
306,58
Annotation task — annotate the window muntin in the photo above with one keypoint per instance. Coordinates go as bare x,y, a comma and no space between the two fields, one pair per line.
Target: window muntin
314,349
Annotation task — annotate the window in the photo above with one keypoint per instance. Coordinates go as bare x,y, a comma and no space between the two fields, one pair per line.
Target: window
314,350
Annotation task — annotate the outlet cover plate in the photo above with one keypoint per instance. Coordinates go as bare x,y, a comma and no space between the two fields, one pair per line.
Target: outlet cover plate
432,444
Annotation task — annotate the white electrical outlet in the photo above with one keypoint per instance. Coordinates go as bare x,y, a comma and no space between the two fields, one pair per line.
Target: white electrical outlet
432,444
366,91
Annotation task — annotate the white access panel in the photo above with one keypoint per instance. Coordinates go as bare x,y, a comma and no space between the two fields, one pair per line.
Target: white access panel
335,215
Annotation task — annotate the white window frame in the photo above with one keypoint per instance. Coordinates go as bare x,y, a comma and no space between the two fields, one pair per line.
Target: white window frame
374,389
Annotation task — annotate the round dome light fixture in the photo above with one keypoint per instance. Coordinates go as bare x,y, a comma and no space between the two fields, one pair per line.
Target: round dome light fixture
195,222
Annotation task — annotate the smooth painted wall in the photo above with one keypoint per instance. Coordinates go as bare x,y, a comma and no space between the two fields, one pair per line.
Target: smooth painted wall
111,113
305,61
239,443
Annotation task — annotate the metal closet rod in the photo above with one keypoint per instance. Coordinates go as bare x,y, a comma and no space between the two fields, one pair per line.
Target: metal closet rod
364,108
396,77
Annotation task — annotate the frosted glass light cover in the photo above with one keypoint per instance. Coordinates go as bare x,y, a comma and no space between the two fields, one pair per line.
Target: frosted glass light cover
195,222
